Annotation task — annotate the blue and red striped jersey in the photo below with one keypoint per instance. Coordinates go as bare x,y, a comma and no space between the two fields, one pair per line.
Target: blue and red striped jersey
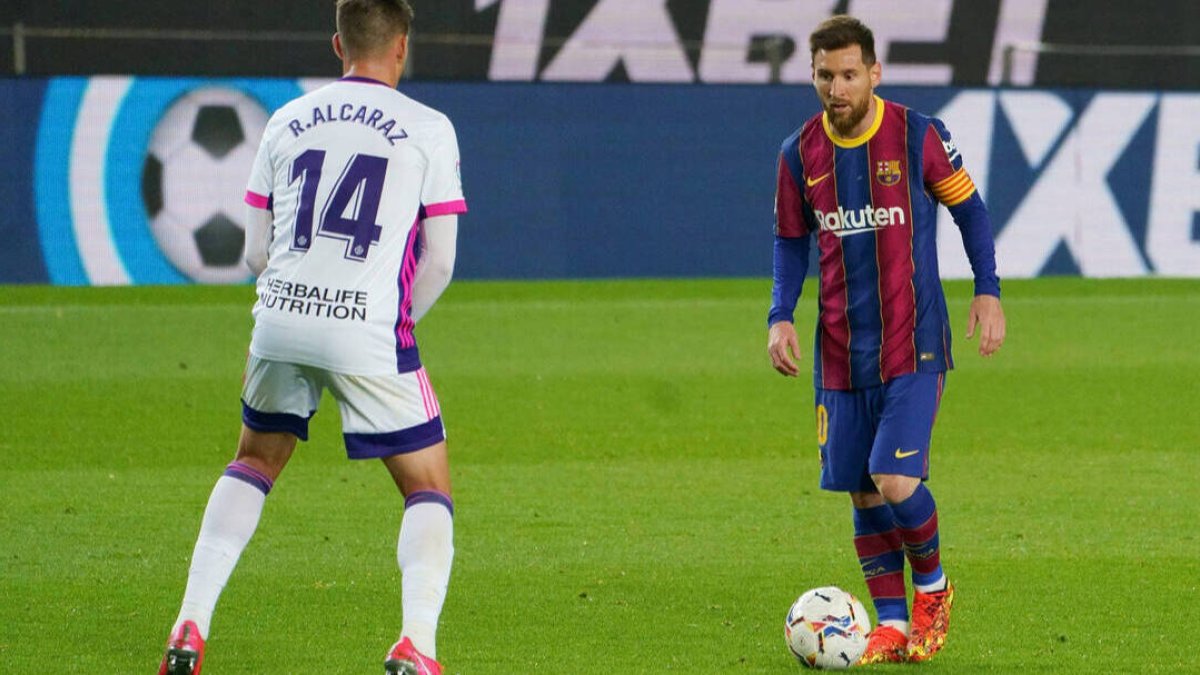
872,203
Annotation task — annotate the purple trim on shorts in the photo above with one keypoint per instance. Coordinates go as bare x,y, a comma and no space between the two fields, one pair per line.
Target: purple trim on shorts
250,475
268,423
371,446
430,496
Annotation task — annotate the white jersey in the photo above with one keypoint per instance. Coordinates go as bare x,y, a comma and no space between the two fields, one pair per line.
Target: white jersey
349,171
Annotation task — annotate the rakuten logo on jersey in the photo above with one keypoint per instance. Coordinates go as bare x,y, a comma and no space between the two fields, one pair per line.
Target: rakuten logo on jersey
843,223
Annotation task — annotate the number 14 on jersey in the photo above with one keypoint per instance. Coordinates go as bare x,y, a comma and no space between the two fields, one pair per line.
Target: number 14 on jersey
361,182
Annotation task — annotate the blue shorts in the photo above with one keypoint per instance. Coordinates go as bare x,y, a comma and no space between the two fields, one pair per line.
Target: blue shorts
879,430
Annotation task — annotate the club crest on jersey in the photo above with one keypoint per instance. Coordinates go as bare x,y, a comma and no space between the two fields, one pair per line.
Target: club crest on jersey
887,172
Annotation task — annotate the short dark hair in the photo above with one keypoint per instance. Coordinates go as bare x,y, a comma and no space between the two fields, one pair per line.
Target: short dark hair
366,26
840,31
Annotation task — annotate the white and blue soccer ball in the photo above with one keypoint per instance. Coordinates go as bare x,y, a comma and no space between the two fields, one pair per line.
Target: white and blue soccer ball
194,180
827,628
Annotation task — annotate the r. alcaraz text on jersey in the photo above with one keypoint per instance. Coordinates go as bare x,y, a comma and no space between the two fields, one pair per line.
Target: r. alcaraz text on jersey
350,112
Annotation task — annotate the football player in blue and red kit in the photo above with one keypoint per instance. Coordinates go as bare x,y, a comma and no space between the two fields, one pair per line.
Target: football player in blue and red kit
864,179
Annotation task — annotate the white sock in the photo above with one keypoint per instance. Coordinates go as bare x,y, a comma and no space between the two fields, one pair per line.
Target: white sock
229,521
899,625
424,552
937,586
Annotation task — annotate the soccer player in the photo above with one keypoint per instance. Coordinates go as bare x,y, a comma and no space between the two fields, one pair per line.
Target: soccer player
865,177
353,203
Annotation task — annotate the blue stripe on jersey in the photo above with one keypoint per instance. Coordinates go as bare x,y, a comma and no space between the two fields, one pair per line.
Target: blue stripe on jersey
818,366
932,327
791,154
860,258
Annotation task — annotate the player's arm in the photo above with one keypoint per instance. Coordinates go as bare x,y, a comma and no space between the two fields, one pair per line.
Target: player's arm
259,208
259,222
949,182
791,266
986,313
792,243
442,200
439,243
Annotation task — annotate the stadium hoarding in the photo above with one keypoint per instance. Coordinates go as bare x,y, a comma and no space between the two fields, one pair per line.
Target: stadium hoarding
1098,43
125,180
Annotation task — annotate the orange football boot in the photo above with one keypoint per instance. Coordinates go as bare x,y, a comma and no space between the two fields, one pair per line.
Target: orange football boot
884,645
931,620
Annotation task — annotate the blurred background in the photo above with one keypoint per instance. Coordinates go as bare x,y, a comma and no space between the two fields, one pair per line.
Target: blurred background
629,468
600,138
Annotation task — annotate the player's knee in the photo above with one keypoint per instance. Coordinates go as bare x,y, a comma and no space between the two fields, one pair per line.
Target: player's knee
866,500
419,477
425,469
266,452
895,488
270,467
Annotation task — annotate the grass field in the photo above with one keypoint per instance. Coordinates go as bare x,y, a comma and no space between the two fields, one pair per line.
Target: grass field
635,487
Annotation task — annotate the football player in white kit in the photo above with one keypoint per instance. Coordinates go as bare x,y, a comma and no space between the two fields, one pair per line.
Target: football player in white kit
353,206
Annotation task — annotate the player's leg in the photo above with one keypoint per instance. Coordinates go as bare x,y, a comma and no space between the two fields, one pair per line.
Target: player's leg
230,519
425,549
397,418
268,437
880,553
899,465
845,432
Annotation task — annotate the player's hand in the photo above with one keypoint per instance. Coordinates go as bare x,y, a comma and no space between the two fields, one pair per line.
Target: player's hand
784,348
988,316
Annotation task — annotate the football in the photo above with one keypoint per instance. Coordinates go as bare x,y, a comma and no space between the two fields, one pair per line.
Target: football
194,179
827,628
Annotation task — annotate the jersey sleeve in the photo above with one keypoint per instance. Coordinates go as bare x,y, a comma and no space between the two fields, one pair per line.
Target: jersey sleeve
943,168
947,179
792,241
787,280
789,200
442,193
258,189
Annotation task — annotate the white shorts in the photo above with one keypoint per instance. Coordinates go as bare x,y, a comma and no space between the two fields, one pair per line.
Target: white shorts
382,415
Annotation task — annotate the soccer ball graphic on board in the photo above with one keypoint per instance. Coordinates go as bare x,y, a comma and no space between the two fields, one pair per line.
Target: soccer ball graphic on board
827,628
194,179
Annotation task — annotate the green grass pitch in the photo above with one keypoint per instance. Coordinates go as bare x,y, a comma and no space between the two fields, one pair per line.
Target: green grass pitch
635,487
